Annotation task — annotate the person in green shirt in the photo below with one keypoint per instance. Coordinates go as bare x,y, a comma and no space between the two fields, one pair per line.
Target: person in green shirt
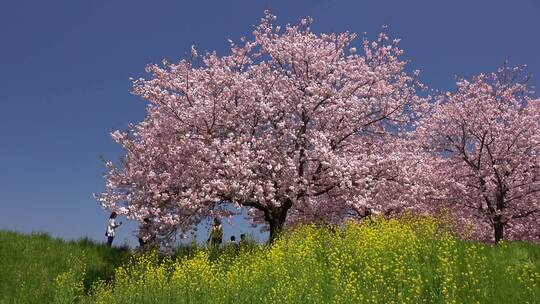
216,233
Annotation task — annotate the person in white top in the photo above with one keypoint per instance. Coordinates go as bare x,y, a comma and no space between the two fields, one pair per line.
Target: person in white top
111,227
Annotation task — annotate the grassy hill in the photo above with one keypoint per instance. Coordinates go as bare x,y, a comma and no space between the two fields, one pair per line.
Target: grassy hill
414,260
30,264
391,261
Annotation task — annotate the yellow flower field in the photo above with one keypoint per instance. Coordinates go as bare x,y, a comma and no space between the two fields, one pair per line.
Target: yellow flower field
411,260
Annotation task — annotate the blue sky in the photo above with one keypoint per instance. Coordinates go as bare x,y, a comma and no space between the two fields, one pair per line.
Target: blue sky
64,69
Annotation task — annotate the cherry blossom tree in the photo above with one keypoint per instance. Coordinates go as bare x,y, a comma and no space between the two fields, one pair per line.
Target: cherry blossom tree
288,122
387,185
486,136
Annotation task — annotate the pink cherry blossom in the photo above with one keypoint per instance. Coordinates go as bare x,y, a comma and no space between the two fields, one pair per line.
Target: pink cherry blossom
485,143
288,124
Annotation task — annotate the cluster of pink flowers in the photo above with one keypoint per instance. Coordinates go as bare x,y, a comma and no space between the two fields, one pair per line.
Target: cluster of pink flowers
299,127
484,140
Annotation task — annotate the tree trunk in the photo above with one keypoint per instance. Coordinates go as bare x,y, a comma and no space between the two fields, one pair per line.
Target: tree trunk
274,216
499,231
276,220
499,222
276,227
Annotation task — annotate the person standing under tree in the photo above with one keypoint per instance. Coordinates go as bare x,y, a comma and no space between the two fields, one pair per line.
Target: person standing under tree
111,227
216,233
243,239
144,232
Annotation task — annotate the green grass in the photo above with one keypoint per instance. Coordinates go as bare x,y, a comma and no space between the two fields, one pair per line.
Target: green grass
398,261
30,264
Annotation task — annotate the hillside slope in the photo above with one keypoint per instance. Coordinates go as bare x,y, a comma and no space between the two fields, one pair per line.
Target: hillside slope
29,264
